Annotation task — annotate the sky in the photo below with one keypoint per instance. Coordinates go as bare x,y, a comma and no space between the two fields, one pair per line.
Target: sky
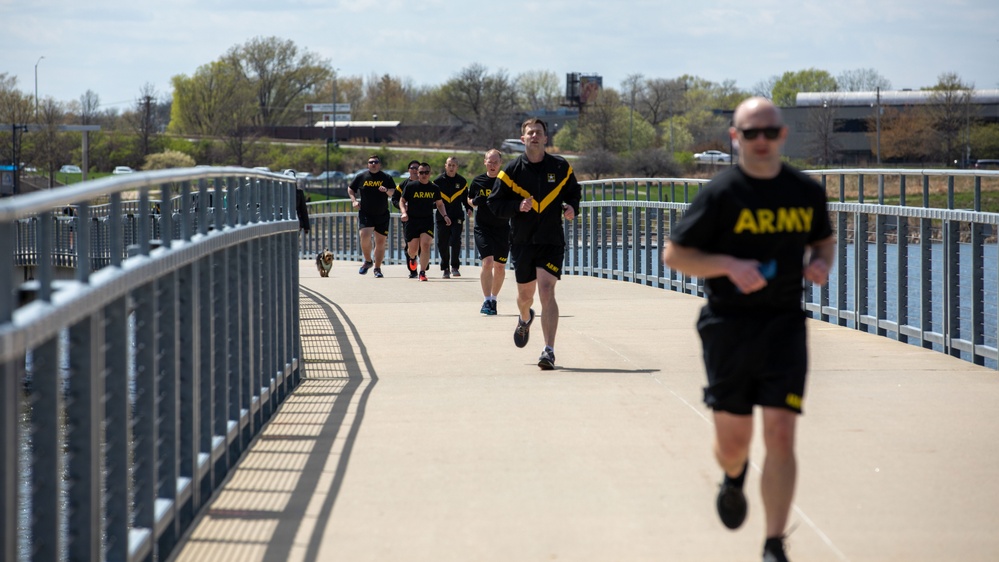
115,48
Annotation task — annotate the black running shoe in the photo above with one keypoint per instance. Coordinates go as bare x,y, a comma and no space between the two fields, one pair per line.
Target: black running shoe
486,309
731,505
454,272
547,360
492,308
413,274
411,263
773,550
364,268
446,274
378,273
523,331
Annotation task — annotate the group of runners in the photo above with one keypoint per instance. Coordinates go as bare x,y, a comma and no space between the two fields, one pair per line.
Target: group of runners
519,212
754,234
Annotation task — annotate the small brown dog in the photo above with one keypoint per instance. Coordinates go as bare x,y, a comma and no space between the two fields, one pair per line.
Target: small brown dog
324,262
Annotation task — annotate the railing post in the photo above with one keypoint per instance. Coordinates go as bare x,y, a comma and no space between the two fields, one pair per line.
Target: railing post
84,437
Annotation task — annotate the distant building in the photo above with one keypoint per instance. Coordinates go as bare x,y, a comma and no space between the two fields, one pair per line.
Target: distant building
852,124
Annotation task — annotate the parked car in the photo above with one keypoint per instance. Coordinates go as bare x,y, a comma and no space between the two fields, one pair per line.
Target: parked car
122,170
987,164
513,145
335,176
713,156
70,169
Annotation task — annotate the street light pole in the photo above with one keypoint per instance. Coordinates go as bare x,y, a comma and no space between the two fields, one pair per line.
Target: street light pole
36,86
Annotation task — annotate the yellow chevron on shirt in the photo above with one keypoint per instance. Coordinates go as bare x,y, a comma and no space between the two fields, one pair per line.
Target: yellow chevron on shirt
535,204
453,197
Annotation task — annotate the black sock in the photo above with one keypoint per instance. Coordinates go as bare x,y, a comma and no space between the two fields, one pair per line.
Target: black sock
774,544
739,480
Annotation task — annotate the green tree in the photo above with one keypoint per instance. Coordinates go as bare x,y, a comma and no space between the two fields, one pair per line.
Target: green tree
216,102
168,159
538,90
607,124
985,140
786,87
387,98
567,138
280,77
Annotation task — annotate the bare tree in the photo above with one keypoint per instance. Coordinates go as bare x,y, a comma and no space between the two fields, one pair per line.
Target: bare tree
485,105
822,123
52,147
862,80
662,99
952,113
90,104
651,163
905,133
765,87
144,121
599,163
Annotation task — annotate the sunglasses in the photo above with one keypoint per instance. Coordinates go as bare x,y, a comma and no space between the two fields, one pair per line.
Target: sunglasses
374,162
414,167
770,133
424,172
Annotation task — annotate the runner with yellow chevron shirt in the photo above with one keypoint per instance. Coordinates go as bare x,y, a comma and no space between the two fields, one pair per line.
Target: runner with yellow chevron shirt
535,191
454,193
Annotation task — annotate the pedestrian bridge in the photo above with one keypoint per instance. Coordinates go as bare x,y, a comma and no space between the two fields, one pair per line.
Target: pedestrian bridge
392,421
420,432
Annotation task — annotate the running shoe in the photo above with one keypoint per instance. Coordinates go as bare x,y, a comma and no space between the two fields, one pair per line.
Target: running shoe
411,263
731,505
492,308
486,309
413,274
523,331
446,275
547,360
773,550
364,268
454,273
378,273
423,276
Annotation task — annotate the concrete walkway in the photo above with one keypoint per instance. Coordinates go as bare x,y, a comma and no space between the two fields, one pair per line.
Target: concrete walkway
422,433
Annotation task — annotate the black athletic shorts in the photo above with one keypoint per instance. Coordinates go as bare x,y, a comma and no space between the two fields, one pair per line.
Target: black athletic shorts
754,358
379,222
492,242
528,257
416,226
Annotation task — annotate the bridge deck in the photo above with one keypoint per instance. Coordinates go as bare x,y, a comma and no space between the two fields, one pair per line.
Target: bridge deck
423,433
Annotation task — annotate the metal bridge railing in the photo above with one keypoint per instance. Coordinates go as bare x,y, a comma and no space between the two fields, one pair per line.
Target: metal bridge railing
926,276
150,345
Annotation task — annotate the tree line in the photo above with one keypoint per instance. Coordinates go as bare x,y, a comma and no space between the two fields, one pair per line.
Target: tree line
648,125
